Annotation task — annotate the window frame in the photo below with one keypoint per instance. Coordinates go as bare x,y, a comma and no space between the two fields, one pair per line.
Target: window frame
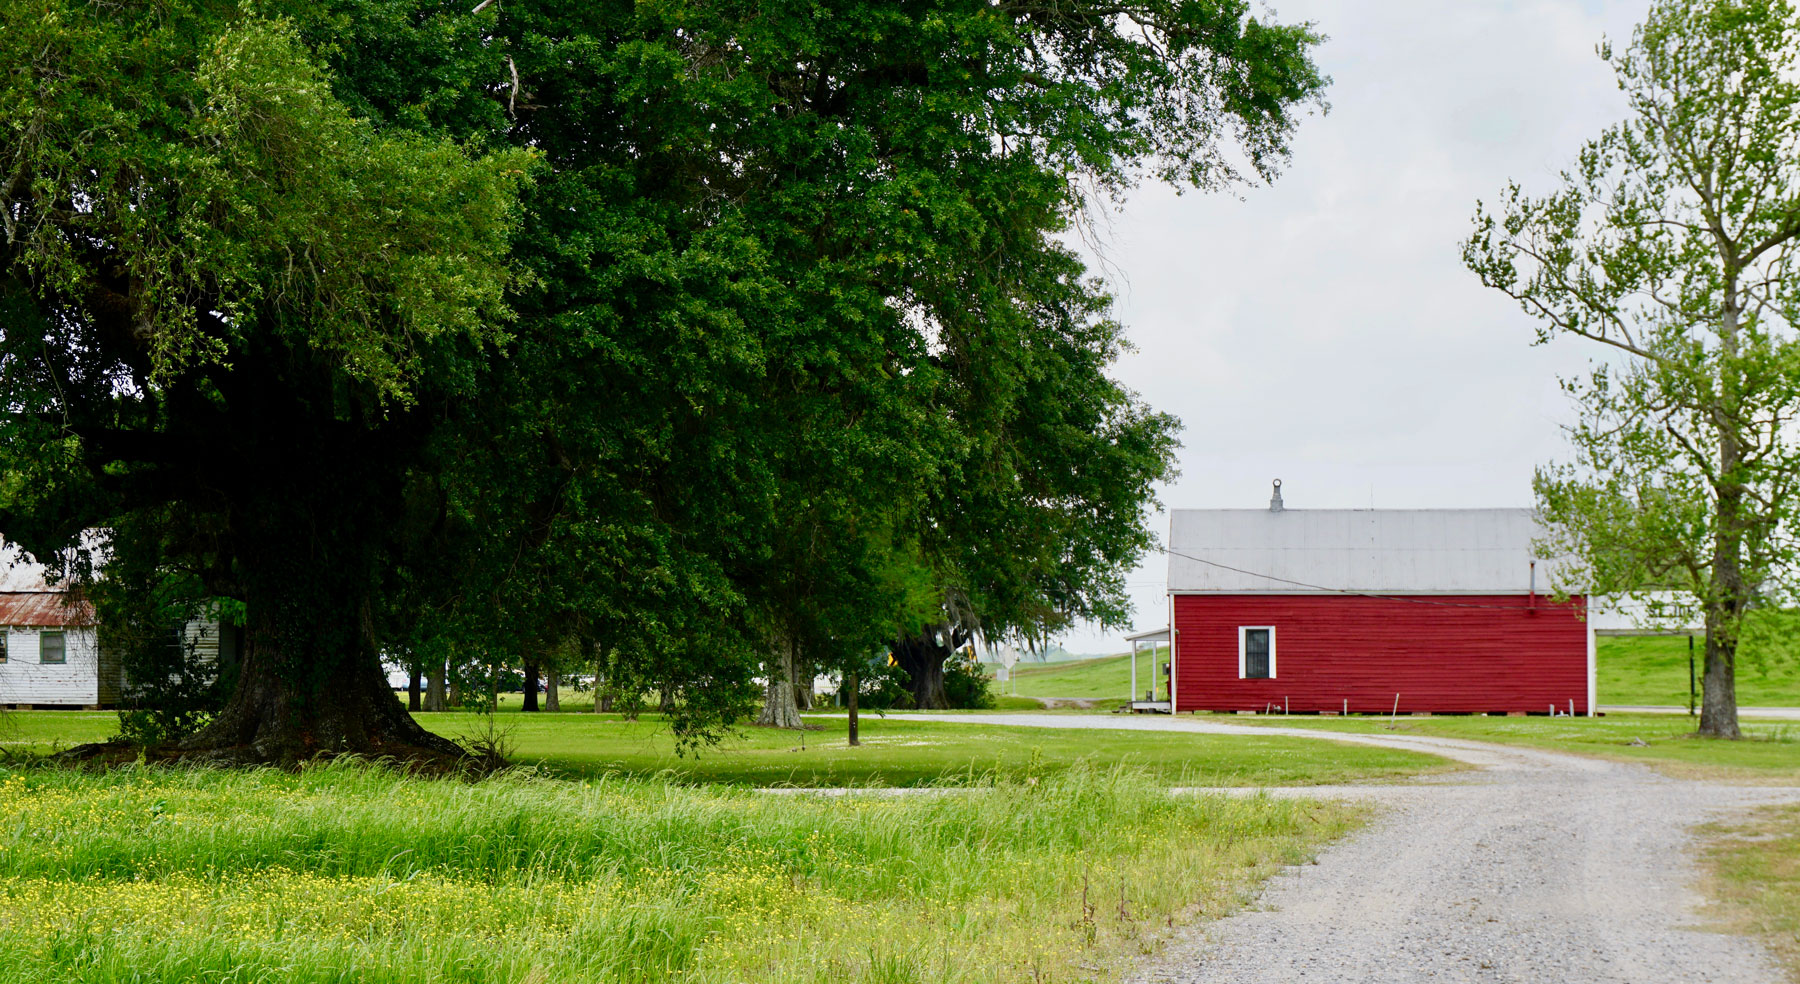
1243,648
62,648
5,643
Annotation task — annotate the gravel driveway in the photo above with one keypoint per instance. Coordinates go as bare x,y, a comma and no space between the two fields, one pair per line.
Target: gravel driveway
1537,867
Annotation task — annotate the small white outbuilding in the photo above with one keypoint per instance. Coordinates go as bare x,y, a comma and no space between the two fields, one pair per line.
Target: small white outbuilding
49,645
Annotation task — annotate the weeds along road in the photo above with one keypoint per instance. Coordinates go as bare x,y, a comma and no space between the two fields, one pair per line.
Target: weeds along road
1538,866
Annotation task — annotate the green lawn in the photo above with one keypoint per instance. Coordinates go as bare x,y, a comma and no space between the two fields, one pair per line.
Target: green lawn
348,873
898,752
1103,678
895,752
1654,670
1770,752
49,730
1107,676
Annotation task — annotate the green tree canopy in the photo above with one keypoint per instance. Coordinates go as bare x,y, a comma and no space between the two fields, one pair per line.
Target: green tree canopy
788,327
233,306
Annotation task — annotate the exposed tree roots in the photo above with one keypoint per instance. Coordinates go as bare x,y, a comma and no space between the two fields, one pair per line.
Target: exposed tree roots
431,761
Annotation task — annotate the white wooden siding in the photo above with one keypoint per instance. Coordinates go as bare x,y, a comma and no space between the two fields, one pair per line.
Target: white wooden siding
202,639
74,682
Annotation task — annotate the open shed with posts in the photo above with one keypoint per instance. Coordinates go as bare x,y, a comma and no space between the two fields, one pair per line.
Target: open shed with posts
1332,611
1150,692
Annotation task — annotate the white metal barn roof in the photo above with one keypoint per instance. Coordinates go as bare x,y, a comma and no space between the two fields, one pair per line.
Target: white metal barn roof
1387,551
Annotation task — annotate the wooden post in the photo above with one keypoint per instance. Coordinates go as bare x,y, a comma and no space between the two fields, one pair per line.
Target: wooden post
1693,687
851,685
1134,659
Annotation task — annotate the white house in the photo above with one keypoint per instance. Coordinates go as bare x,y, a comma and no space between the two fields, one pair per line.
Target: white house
1651,613
49,646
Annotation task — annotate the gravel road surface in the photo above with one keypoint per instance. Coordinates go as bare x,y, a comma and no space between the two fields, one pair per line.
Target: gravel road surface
1537,867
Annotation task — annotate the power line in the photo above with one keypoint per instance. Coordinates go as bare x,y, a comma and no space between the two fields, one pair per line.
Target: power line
1343,591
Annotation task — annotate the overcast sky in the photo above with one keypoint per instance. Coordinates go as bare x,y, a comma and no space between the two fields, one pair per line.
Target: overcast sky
1323,330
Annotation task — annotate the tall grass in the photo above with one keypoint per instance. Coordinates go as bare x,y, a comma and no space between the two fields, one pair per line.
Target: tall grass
351,873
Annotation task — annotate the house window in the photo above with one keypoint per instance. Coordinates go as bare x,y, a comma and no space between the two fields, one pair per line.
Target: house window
3,635
50,648
1256,652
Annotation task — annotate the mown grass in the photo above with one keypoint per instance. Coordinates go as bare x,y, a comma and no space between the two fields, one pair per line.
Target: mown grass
1104,676
901,752
1770,750
350,873
38,731
896,752
1653,670
1753,866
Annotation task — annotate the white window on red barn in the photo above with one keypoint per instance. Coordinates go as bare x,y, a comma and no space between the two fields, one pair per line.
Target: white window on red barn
1256,652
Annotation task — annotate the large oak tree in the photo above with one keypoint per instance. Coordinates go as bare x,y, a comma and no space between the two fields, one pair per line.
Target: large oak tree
783,320
234,307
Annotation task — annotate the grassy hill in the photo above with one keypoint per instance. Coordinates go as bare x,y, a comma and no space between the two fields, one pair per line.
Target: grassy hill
1101,678
1654,670
1107,676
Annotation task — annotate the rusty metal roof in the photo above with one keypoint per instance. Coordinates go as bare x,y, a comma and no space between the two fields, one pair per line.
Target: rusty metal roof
42,608
25,598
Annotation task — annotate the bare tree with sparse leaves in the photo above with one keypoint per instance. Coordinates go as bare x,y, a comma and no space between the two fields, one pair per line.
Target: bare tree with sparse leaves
1671,245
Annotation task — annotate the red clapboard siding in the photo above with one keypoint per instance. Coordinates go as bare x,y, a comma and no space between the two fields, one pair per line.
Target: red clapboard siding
1436,656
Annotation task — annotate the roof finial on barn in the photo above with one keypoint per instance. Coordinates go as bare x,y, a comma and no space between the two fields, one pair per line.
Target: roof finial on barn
1275,500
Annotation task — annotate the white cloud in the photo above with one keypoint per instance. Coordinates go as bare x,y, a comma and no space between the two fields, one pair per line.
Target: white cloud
1323,330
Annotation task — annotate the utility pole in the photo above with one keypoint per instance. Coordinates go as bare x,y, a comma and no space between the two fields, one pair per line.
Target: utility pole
1693,689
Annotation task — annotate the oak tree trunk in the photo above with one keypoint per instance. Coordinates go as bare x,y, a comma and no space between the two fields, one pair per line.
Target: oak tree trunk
923,657
413,675
434,686
306,689
779,709
313,504
531,685
552,701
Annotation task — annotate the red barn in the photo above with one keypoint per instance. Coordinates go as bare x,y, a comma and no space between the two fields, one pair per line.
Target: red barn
1327,610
